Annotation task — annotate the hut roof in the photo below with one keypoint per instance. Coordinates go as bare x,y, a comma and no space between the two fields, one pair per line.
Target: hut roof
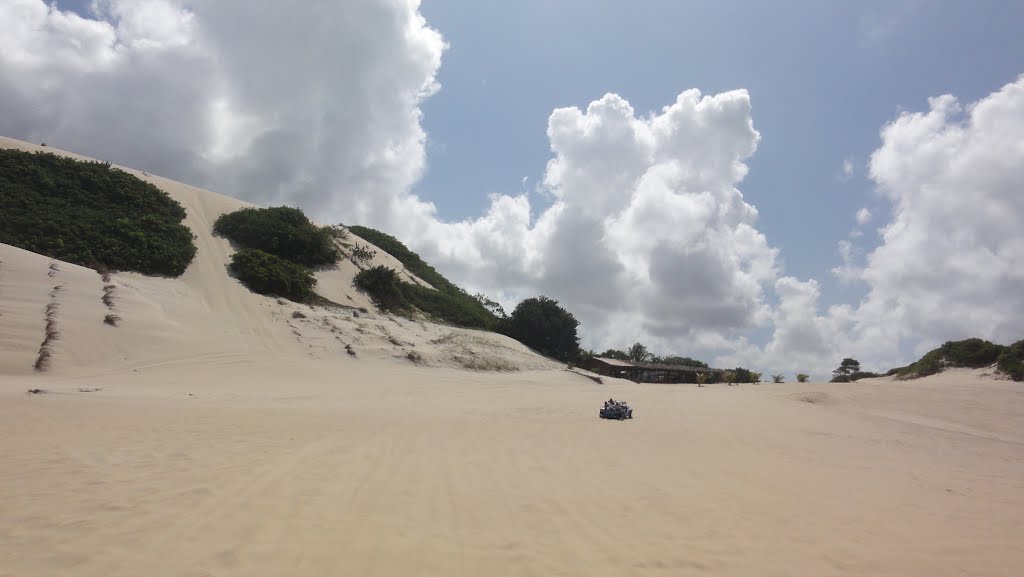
656,366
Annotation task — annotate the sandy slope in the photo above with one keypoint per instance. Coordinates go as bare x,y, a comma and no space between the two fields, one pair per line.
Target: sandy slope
207,314
227,438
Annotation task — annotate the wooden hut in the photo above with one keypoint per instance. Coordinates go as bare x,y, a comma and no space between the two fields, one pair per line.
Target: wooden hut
642,372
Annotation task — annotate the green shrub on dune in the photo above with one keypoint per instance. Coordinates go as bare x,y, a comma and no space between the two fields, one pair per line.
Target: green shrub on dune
279,245
281,231
268,274
1011,361
383,286
445,302
971,353
90,214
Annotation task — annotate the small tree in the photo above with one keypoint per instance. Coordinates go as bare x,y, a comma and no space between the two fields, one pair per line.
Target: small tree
615,354
730,377
802,377
493,307
638,353
846,368
540,323
778,379
701,379
755,377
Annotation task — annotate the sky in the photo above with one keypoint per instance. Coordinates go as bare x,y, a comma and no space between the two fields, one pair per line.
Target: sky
773,185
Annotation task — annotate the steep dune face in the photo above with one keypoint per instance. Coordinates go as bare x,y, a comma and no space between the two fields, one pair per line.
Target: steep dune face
207,314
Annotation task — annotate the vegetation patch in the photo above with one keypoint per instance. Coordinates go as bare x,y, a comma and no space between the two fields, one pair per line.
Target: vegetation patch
91,214
445,302
267,274
1011,361
971,353
282,231
541,324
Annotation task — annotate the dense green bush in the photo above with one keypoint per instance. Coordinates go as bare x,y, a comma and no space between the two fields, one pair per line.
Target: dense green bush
973,353
457,308
383,286
90,214
390,293
411,260
446,302
281,231
541,324
1011,361
268,274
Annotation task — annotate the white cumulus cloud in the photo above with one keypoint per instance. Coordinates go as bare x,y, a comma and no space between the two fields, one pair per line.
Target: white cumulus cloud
951,261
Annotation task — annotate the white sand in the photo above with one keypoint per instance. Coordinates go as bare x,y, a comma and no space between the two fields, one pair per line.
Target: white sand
229,438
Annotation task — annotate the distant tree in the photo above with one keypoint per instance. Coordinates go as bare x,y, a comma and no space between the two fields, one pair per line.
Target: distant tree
755,377
743,375
778,379
701,379
802,377
846,368
730,377
492,306
615,354
540,323
683,361
638,353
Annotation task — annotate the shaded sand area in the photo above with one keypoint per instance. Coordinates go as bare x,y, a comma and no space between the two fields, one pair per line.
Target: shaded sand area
297,468
214,432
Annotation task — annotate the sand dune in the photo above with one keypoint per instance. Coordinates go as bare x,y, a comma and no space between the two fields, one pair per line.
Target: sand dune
213,433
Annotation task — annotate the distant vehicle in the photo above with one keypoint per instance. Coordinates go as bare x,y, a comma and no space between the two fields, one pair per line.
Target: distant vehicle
619,410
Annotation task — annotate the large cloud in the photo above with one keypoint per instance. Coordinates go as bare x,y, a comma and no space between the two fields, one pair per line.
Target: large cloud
950,263
315,104
647,236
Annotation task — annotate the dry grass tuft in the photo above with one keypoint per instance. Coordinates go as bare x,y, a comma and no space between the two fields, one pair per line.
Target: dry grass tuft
43,357
298,315
103,271
484,364
111,320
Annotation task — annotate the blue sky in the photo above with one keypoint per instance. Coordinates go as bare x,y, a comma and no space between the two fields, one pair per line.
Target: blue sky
432,120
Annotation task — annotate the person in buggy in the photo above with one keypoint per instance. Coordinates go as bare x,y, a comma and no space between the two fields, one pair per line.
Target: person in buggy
613,409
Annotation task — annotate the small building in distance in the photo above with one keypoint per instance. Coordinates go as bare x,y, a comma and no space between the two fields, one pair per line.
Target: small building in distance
641,372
